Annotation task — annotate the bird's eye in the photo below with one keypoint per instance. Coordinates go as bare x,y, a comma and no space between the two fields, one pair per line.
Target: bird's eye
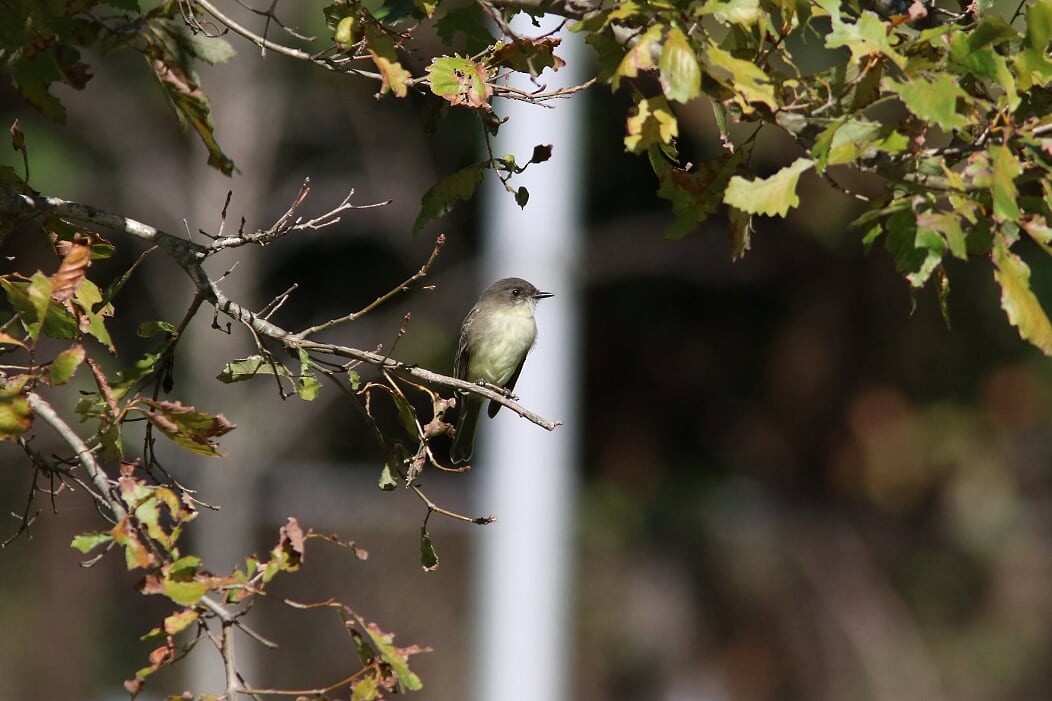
516,292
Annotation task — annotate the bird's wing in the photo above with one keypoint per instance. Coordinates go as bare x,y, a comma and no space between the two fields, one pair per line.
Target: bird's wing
494,407
463,359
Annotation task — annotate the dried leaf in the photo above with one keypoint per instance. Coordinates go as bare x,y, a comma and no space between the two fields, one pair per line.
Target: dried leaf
71,272
186,426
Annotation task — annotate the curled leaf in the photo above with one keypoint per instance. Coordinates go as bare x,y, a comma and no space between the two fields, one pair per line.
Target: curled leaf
186,426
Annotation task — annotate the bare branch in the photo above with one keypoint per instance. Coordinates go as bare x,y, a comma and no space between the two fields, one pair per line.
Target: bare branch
189,255
84,455
228,618
289,223
433,507
288,51
404,287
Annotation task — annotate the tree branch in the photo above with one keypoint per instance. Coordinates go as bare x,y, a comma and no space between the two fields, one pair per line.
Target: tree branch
84,455
189,256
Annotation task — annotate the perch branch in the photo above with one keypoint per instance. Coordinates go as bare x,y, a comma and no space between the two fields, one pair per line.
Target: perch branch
189,256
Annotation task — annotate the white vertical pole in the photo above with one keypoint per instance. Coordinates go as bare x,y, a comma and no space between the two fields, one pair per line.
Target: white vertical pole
526,475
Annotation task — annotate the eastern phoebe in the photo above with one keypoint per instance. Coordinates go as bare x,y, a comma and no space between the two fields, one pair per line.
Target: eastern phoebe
495,337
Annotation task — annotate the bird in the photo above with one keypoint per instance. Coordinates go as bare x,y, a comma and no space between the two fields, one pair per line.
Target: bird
495,338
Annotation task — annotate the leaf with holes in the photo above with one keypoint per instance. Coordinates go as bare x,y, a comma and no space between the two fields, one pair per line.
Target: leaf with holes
461,81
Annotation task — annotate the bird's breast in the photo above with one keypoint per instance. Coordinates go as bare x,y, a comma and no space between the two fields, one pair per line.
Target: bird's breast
500,344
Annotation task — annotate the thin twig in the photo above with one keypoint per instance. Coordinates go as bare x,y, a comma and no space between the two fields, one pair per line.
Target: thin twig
265,43
404,287
189,255
432,506
86,458
226,616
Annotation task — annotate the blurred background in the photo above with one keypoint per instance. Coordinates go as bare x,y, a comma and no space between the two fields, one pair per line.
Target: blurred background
795,481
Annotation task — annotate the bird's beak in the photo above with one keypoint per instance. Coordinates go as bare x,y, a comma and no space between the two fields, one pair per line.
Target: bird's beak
542,295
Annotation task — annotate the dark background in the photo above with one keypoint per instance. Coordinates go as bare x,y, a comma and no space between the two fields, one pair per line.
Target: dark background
797,483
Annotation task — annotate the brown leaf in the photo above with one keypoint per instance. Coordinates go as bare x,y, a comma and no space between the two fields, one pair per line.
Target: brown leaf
71,272
162,654
528,55
292,536
192,429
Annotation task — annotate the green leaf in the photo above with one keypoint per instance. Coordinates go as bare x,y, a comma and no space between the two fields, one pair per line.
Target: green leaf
396,658
392,463
382,49
86,542
744,79
932,100
428,556
188,427
680,72
740,12
180,621
1037,228
917,253
210,49
406,413
1032,64
185,593
608,54
695,195
366,689
868,36
471,23
126,378
443,195
152,328
347,32
460,81
741,232
428,7
845,141
307,387
1018,300
31,300
185,44
247,368
650,123
639,57
394,11
65,364
772,196
973,52
946,225
1006,168
183,89
92,320
307,384
15,415
185,565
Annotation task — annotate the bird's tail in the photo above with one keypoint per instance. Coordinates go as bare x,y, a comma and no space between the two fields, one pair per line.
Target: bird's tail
464,440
